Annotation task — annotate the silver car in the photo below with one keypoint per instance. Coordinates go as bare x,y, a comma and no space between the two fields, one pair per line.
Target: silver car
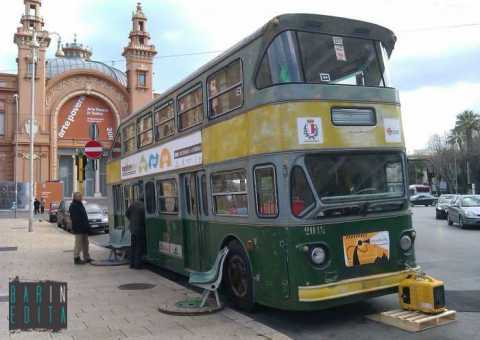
97,216
465,210
441,208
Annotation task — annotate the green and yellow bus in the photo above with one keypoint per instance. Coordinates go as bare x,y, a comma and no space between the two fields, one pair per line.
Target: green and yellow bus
288,149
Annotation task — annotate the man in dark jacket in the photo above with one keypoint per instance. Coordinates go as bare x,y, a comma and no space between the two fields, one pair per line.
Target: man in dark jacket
136,215
36,206
80,227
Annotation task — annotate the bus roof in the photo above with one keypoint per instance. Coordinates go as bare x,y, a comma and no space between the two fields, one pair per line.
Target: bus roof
309,22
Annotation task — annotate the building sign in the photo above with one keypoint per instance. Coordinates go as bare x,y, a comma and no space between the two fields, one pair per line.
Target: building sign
49,192
180,153
40,305
77,115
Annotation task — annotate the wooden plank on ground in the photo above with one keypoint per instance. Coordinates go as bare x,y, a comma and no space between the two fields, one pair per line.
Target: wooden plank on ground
413,321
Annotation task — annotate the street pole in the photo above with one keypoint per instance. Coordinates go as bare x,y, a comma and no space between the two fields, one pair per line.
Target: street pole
32,137
455,164
16,155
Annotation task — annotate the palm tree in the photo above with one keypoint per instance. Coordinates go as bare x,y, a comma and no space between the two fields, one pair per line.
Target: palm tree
467,123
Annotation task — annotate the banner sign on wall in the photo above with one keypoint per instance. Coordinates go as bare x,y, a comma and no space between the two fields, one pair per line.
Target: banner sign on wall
177,154
79,113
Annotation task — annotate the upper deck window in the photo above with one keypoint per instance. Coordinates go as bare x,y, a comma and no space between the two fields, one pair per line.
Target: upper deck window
129,135
225,89
317,58
164,121
145,130
339,60
281,62
190,108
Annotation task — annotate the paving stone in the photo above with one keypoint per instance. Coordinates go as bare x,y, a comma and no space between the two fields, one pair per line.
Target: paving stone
97,309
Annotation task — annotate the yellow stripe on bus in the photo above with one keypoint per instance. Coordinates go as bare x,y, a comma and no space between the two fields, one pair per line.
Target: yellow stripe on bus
274,128
352,286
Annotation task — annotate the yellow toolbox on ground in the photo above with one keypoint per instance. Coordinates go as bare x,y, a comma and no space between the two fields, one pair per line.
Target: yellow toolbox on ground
420,292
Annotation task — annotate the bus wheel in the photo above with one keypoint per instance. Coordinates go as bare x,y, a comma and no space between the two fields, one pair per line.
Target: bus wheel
238,277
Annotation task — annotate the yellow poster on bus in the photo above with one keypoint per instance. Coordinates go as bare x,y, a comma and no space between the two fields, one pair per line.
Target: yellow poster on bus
366,248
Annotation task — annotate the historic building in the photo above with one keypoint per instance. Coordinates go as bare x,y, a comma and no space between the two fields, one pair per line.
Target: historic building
73,92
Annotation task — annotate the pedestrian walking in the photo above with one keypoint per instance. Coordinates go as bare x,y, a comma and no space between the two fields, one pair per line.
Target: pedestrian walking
36,206
136,215
81,228
42,206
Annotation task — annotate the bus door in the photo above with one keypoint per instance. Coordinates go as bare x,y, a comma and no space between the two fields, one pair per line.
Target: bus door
131,193
194,236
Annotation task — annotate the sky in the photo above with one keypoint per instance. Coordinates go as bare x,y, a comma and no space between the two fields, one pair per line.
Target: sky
435,64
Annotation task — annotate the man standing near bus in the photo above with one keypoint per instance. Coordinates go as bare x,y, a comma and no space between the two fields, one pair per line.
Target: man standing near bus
136,215
81,228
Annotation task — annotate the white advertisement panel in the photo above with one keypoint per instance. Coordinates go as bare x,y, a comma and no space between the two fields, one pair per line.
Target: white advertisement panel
180,153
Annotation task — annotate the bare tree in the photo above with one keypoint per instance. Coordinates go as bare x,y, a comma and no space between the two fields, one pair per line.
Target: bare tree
443,159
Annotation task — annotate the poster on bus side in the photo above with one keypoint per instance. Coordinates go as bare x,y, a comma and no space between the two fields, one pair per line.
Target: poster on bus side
366,248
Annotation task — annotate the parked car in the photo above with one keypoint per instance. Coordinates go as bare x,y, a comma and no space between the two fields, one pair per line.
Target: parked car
52,212
423,199
97,216
441,208
465,210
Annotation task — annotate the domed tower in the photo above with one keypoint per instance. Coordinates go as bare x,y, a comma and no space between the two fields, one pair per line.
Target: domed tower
31,22
76,50
139,56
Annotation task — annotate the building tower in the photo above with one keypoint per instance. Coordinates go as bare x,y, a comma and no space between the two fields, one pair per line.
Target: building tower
139,56
30,21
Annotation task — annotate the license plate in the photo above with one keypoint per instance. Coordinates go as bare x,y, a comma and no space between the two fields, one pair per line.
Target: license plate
94,225
366,248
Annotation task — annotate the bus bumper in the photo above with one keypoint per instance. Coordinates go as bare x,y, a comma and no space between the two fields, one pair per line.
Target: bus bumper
351,287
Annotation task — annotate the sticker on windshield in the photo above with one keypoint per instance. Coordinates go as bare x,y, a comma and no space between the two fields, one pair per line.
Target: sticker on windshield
324,77
337,40
340,53
392,130
339,48
366,248
309,130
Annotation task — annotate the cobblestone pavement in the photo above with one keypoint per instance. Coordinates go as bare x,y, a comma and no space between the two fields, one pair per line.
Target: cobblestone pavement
97,309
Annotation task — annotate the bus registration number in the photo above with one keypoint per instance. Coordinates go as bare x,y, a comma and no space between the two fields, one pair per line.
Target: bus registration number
314,230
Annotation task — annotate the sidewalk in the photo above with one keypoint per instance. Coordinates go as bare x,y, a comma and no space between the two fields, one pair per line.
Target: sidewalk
97,309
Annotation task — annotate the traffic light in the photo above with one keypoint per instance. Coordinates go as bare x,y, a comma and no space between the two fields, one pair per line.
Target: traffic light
81,162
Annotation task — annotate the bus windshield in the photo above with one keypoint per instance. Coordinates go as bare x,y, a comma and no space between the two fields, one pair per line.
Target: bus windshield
350,177
326,59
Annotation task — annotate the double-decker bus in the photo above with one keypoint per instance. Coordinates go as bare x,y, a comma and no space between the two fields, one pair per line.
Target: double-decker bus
288,149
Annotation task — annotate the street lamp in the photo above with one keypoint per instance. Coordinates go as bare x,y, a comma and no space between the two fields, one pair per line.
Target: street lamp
16,154
455,165
35,46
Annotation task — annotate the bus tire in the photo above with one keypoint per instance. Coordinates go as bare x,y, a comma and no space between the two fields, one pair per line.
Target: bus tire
238,277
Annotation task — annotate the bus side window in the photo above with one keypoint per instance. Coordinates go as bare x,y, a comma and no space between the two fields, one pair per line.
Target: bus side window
229,191
301,194
167,196
266,191
193,195
224,89
150,198
204,195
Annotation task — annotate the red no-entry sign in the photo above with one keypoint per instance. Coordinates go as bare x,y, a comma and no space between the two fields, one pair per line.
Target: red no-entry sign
93,149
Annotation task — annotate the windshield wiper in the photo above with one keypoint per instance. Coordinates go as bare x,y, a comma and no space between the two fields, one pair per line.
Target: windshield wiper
361,209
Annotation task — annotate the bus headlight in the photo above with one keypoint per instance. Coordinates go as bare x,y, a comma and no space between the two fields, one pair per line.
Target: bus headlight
405,242
318,255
